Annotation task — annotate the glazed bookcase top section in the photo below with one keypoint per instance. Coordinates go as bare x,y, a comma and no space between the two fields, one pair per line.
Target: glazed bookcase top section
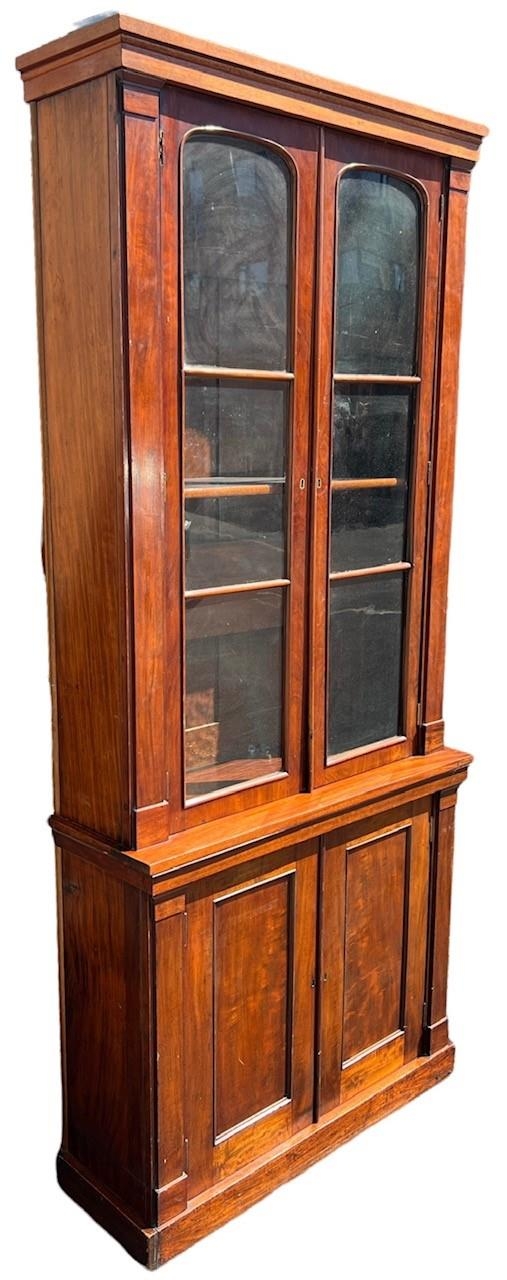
142,49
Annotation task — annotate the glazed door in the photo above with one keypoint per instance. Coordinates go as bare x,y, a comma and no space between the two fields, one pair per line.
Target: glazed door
240,186
250,1005
374,885
376,326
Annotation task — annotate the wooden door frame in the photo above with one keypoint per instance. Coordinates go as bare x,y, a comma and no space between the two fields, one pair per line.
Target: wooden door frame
181,113
340,152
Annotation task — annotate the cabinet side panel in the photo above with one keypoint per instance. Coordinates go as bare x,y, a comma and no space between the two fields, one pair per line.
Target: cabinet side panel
46,548
105,984
83,455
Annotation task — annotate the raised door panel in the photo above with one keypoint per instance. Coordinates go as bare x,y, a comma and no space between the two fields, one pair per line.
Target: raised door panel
373,952
250,1030
374,942
251,1026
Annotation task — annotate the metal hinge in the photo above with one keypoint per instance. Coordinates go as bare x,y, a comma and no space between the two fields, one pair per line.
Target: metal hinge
161,146
185,1156
429,471
185,928
419,715
441,207
432,828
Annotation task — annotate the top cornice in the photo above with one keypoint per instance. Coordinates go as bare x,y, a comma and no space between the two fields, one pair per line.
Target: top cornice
122,43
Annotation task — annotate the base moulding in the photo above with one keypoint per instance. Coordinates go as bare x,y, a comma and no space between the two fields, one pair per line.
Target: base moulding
213,1208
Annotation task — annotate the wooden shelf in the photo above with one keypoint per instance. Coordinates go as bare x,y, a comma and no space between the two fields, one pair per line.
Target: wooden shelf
229,771
396,379
383,482
235,490
371,571
223,371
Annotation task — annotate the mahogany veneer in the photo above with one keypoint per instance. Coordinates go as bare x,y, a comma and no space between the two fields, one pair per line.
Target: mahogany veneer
254,806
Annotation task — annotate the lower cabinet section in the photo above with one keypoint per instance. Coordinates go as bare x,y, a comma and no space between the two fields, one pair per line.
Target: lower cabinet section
221,1035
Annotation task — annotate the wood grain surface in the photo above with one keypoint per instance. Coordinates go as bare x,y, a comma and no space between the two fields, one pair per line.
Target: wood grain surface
247,979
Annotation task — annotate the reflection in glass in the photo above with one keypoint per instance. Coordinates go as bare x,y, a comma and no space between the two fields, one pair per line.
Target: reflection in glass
377,274
367,527
365,650
371,455
235,428
233,696
237,233
237,263
232,540
371,431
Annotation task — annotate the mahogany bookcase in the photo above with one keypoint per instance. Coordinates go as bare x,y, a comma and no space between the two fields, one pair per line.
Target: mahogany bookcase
249,285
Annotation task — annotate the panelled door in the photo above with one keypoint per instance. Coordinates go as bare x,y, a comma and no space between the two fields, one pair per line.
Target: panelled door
374,905
249,1010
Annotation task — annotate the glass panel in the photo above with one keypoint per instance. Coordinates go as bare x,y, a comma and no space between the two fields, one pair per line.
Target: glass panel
233,697
232,540
377,274
237,247
371,432
365,649
367,528
371,445
235,428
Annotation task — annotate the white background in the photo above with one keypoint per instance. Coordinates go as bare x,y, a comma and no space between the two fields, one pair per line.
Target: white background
422,1193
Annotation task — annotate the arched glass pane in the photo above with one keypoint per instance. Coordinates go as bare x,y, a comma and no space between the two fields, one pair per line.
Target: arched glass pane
237,233
377,270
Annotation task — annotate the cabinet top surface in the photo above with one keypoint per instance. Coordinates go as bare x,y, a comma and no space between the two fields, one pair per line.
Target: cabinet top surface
117,42
291,819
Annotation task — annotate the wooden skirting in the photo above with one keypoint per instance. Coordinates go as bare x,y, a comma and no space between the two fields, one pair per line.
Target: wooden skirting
213,1208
